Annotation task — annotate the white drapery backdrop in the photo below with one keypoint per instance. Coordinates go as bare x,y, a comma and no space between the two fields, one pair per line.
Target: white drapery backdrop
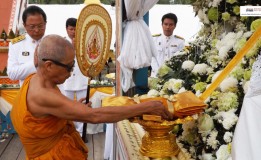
138,47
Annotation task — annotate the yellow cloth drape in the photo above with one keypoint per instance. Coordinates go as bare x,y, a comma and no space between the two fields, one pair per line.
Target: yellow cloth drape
117,101
107,90
9,94
185,103
45,138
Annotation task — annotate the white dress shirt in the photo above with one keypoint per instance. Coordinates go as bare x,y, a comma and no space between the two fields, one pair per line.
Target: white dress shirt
166,47
20,61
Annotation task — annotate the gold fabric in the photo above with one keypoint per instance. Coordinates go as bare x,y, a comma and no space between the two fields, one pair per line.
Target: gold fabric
185,103
117,101
107,90
45,138
9,94
237,58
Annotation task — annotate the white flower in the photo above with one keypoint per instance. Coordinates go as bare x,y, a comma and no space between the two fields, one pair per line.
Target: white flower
222,53
174,85
188,65
228,119
162,93
225,44
202,16
228,83
163,70
207,156
93,82
215,3
103,82
212,141
189,133
152,82
205,124
231,1
214,61
228,137
246,86
200,69
192,150
215,76
247,34
239,34
223,153
181,90
153,93
239,44
226,101
229,122
198,93
200,86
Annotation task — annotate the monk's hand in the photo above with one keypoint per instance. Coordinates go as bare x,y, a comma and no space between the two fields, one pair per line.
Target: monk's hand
82,100
157,108
89,104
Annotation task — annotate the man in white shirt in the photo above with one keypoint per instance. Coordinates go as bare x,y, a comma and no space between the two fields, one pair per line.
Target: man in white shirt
167,44
75,87
20,61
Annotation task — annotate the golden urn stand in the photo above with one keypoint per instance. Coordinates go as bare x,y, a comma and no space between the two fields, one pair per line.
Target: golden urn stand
158,141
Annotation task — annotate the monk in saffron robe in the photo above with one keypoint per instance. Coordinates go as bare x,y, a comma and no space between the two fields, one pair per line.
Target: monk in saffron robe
43,117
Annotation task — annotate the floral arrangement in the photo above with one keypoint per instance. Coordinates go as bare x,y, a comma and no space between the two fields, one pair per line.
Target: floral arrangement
224,33
97,83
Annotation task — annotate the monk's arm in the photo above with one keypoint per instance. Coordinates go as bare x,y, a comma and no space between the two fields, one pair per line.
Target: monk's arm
61,106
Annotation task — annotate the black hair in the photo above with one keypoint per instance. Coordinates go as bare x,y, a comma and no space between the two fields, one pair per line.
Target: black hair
32,10
170,16
71,22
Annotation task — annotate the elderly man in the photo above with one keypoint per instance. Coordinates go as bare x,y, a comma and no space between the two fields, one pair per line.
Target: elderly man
43,117
21,50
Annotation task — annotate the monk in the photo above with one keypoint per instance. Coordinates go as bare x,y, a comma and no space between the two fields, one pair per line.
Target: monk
43,117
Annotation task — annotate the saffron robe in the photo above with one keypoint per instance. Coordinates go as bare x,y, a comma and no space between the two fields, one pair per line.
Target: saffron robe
48,138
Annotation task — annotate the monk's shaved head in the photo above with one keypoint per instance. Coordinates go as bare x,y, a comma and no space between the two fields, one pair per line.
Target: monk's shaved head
53,47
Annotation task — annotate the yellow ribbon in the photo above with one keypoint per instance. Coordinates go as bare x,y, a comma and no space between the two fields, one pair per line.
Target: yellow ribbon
249,44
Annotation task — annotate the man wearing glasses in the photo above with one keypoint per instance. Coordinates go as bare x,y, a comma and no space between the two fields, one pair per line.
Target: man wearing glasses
21,51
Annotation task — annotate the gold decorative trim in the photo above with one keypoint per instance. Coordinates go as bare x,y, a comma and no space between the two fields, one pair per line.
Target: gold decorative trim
4,50
93,39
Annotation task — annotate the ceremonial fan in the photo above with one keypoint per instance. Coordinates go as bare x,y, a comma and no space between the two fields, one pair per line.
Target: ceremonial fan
93,39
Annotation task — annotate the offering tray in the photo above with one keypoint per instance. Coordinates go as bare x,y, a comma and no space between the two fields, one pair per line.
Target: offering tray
159,141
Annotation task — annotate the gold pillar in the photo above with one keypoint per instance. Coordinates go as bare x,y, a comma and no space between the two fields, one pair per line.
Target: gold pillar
118,9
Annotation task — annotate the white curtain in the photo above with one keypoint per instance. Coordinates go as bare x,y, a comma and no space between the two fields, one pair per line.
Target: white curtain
138,47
